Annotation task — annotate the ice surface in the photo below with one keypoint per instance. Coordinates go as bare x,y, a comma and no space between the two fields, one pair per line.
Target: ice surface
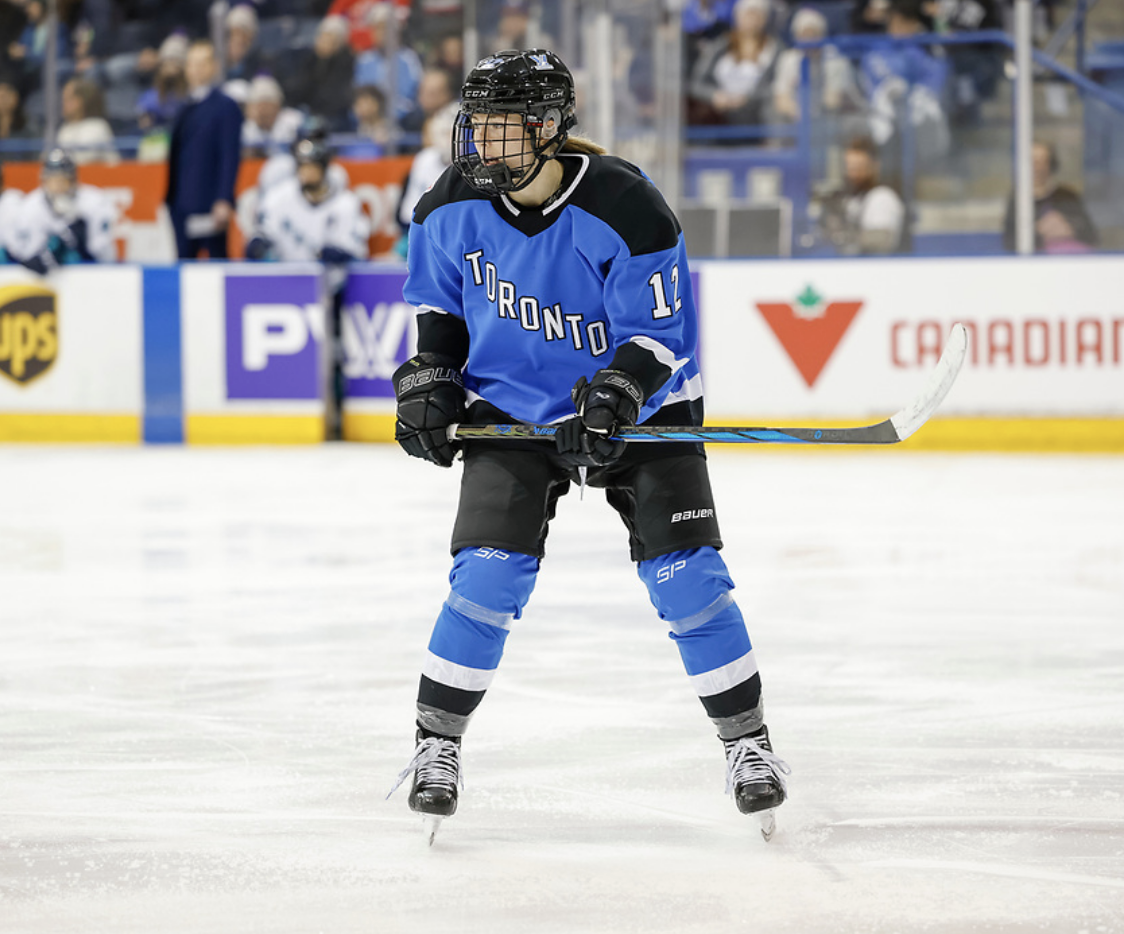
209,658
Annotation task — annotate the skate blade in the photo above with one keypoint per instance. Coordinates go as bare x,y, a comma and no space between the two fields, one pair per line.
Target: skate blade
768,822
431,823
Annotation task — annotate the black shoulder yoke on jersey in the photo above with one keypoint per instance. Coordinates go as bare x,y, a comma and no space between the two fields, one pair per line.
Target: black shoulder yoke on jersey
608,188
618,193
448,188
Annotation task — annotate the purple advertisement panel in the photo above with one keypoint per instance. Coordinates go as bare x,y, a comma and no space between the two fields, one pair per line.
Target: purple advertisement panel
378,332
274,327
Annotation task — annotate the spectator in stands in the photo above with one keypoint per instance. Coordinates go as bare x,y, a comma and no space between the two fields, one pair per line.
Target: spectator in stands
869,16
830,72
62,222
13,18
159,106
867,217
704,21
13,120
732,82
374,65
322,80
270,126
448,53
435,90
85,133
203,160
976,69
243,59
906,83
130,72
513,29
372,125
31,47
356,13
1061,222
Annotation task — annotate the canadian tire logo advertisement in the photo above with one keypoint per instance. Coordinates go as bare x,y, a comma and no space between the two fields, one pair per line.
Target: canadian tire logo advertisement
809,328
29,340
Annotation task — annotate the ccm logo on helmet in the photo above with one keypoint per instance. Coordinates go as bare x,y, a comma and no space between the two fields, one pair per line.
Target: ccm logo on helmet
689,514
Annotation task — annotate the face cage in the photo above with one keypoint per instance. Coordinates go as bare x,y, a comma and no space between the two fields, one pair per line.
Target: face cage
497,178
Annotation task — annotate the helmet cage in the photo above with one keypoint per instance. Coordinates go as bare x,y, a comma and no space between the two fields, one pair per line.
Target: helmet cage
58,164
512,83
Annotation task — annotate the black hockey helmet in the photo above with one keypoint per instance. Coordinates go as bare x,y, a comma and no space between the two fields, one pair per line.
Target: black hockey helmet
536,86
312,150
313,126
58,162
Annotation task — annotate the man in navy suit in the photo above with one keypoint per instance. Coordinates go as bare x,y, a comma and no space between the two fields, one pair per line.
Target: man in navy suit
203,159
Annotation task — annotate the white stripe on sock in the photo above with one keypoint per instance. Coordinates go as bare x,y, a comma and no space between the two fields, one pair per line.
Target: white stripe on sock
722,679
453,675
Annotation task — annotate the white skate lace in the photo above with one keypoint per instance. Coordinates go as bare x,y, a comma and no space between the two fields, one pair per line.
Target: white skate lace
748,762
437,762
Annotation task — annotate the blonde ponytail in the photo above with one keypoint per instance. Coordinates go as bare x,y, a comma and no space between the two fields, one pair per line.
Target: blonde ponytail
583,146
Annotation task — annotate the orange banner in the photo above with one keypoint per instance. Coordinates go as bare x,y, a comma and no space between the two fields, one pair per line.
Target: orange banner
144,233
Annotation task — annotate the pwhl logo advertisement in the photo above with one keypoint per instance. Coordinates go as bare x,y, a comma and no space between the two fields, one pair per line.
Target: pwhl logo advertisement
809,329
274,331
29,340
377,331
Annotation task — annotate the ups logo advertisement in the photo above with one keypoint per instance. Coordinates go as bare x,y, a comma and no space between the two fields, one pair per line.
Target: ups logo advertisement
29,340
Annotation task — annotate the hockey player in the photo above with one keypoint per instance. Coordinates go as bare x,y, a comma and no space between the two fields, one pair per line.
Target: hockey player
61,221
10,200
306,218
550,277
283,165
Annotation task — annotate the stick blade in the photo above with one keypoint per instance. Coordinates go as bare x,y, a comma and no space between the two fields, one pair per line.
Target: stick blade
913,416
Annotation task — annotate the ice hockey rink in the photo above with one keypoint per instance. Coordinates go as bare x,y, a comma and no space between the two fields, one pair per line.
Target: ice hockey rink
209,659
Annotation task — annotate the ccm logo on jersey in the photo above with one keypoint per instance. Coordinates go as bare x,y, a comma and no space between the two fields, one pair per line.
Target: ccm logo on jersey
689,514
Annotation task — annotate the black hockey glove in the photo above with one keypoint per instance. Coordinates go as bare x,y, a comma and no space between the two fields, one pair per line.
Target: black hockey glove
333,255
430,393
611,400
258,249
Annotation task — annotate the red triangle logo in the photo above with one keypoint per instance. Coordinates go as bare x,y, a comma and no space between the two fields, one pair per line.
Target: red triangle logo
810,342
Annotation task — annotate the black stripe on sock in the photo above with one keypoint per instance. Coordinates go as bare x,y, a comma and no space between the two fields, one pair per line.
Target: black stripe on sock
736,700
451,700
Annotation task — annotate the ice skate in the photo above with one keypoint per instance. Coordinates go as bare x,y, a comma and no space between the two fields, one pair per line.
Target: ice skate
755,776
437,776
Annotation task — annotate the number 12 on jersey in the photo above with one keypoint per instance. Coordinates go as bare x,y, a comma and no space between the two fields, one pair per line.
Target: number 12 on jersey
663,309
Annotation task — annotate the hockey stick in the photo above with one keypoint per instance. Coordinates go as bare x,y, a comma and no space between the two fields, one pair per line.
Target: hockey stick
894,429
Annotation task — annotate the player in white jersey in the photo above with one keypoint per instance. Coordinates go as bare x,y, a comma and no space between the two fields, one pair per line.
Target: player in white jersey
9,207
62,222
305,218
282,166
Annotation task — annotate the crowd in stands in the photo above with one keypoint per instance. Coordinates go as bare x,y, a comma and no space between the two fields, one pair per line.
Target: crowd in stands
122,63
381,75
374,69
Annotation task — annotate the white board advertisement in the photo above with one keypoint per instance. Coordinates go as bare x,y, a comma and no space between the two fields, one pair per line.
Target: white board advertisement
71,342
854,339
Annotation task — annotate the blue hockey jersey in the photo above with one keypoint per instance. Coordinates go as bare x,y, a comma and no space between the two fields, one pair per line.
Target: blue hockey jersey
531,299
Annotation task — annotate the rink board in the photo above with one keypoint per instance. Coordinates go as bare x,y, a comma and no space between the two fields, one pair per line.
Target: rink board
235,353
254,354
71,360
